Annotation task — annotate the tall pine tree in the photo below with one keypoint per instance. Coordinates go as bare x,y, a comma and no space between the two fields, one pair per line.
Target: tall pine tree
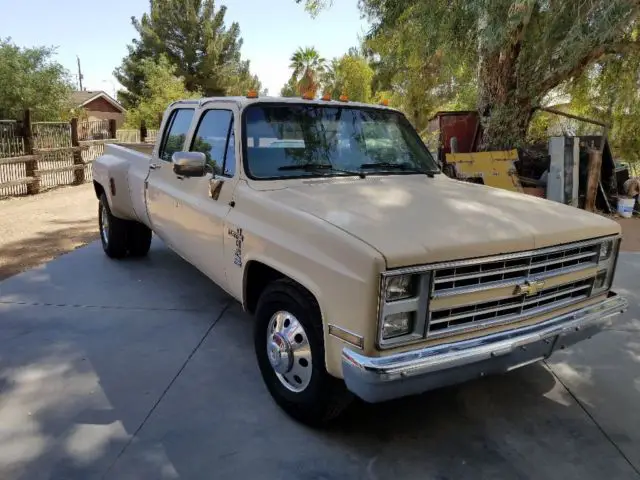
193,36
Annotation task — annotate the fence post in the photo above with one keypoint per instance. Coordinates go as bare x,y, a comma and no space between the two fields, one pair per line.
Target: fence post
31,166
143,131
78,173
112,128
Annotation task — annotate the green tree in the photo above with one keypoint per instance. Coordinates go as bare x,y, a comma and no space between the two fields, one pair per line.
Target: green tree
290,89
517,51
193,36
608,91
350,75
30,78
162,86
307,66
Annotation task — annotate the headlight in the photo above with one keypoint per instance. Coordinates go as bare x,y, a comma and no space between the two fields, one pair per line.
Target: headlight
402,312
606,249
396,324
400,287
607,259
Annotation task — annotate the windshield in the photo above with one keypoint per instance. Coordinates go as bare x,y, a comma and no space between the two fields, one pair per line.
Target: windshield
317,140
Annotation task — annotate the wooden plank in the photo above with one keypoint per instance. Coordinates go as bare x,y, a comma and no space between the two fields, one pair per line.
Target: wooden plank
21,181
31,166
42,151
77,154
606,199
30,158
113,128
575,117
21,159
593,179
89,143
40,173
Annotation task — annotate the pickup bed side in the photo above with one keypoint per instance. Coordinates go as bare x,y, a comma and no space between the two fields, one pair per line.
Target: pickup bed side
120,175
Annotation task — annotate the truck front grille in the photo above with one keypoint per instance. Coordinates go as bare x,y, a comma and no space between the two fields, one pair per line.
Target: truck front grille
479,276
459,281
505,310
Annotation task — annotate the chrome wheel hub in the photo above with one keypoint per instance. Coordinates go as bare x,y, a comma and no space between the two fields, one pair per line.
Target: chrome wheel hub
289,351
104,225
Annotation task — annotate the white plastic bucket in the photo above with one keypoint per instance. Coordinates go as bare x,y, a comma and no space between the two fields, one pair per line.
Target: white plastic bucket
625,206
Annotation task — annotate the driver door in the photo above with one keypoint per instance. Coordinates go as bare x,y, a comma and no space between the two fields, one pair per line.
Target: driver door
164,188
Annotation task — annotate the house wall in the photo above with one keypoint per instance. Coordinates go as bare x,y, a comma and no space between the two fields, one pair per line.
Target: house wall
100,109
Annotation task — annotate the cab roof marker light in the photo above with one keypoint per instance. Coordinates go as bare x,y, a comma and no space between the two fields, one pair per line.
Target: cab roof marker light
252,94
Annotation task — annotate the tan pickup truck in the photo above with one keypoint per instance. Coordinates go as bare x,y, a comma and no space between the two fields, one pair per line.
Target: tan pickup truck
367,270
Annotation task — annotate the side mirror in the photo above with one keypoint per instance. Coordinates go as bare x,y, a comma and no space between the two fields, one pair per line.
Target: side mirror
189,164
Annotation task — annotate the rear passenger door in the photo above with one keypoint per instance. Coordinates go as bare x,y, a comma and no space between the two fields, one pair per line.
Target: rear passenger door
208,199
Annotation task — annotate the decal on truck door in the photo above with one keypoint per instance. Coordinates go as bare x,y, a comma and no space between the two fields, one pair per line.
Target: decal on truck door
237,254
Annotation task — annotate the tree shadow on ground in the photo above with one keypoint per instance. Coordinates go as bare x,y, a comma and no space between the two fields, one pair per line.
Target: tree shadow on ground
141,369
17,257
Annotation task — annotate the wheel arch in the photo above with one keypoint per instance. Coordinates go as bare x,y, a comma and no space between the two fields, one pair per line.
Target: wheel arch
258,274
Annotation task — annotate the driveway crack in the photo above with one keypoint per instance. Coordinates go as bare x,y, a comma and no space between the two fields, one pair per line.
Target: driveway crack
168,387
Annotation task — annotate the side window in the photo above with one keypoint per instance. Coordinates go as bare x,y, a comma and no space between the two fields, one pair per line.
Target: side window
212,139
175,133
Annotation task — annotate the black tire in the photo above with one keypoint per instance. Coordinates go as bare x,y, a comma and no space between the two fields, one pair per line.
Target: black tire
138,239
325,396
114,238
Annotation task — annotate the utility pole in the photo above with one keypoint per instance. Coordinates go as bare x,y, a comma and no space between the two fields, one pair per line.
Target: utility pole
80,77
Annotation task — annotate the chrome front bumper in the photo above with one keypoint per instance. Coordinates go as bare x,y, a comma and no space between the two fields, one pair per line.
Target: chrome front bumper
375,379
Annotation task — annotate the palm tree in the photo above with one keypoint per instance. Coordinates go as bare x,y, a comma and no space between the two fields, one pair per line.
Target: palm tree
307,66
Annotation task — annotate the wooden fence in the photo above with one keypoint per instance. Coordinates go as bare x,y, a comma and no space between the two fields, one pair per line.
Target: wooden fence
41,155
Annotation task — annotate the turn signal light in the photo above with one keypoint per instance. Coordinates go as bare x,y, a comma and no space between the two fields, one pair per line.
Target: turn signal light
252,94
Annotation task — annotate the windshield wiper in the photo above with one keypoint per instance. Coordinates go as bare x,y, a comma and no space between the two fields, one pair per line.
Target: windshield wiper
395,166
319,166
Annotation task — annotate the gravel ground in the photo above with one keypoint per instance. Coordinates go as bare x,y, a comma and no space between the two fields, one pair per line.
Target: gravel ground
36,229
630,234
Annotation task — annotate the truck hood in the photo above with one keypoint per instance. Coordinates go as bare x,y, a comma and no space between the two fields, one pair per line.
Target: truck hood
414,219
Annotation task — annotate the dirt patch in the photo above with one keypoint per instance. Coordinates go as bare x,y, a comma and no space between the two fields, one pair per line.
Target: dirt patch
36,229
630,234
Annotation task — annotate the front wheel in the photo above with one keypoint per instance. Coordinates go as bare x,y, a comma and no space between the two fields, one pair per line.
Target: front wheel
290,352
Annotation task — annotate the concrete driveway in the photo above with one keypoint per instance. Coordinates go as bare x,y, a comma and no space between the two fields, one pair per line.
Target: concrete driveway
145,369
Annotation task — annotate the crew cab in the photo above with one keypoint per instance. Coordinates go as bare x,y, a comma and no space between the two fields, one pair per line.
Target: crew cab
369,272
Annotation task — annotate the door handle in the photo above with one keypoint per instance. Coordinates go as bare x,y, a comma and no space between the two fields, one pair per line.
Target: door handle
215,186
154,166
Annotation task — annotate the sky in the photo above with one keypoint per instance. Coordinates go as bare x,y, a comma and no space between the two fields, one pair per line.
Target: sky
98,32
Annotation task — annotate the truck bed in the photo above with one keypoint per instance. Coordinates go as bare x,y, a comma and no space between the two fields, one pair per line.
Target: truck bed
128,166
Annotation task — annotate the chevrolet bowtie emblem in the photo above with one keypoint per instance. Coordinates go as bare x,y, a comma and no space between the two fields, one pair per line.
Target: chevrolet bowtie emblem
530,287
